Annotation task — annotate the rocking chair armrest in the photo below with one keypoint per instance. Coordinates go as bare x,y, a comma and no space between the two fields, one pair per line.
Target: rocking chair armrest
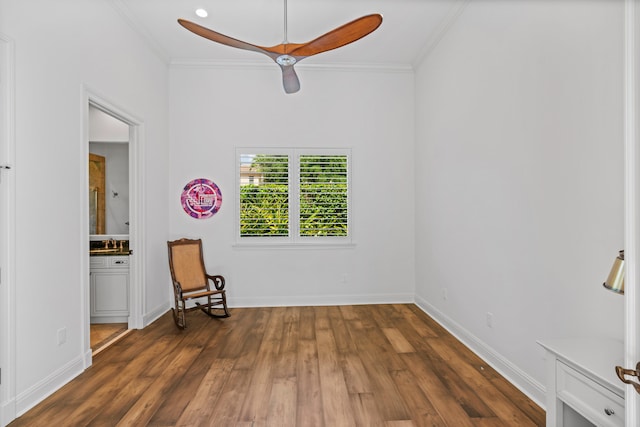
178,288
217,280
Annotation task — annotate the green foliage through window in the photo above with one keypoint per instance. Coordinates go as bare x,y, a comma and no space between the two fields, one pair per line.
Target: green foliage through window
320,186
323,196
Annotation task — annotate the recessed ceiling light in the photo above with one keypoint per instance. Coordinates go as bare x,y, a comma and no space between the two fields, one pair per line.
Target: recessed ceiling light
202,13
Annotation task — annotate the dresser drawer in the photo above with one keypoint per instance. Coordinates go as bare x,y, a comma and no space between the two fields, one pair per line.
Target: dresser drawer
595,402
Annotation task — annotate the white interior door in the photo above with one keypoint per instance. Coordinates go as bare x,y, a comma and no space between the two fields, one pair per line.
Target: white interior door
632,205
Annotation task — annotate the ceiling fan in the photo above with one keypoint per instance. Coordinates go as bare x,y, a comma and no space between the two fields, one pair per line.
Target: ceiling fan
286,54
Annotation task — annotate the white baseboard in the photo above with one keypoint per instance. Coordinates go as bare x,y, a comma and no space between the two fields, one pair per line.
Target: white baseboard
321,300
520,379
155,314
43,389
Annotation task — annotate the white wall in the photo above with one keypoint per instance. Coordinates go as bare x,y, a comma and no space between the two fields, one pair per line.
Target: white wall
519,189
59,47
215,110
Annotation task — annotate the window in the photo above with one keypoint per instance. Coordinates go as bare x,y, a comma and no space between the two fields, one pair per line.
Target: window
293,195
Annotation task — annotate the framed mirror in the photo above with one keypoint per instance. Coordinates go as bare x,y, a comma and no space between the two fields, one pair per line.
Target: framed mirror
96,194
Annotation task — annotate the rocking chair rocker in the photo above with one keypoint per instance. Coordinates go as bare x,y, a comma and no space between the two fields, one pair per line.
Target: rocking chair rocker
191,281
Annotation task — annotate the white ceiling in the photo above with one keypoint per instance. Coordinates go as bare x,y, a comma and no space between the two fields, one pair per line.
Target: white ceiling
408,30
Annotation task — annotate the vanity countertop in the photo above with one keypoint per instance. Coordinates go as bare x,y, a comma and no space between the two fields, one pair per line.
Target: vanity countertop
109,247
108,252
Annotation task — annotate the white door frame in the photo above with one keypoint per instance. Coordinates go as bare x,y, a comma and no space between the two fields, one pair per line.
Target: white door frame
7,232
136,228
632,204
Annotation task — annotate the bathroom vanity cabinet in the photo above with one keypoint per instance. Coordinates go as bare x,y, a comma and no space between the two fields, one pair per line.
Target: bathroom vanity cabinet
109,289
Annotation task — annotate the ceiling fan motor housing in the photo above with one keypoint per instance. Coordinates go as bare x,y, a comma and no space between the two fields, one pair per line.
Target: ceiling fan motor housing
285,60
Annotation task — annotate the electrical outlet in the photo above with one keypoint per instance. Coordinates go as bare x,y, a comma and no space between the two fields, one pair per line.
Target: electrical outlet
489,319
443,293
62,336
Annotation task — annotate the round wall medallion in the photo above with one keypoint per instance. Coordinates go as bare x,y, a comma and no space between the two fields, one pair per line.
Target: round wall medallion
201,198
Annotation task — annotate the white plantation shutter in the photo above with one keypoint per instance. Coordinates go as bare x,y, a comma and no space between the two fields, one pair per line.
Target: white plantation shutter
293,195
323,195
264,195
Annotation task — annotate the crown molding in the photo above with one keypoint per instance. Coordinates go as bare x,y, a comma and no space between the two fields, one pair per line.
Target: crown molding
267,64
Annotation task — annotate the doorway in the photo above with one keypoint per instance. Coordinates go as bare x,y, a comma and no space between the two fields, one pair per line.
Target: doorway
113,290
108,189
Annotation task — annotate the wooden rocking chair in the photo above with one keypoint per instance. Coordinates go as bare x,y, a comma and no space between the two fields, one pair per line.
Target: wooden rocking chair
191,281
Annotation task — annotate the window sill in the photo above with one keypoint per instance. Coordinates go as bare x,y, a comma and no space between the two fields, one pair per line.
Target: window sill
296,246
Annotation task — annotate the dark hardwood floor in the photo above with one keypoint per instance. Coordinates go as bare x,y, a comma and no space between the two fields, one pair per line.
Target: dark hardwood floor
363,365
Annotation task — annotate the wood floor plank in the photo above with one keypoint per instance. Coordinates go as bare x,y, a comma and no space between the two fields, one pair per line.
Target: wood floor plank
365,409
282,404
447,406
335,397
503,407
231,398
398,341
379,360
355,374
423,413
464,392
307,324
166,372
417,322
371,340
365,365
70,404
402,423
491,422
253,324
182,392
200,411
291,329
146,406
309,397
521,401
256,404
344,340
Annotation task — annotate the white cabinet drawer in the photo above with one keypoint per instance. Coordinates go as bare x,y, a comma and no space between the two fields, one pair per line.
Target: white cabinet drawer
108,262
118,262
595,402
98,262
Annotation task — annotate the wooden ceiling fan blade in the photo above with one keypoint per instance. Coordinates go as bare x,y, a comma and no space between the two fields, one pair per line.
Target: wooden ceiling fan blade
220,38
341,36
290,79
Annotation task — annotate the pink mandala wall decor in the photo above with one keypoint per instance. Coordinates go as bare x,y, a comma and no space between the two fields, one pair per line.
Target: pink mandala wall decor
201,198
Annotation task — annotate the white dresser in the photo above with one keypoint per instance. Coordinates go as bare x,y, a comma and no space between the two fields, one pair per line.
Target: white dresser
581,375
